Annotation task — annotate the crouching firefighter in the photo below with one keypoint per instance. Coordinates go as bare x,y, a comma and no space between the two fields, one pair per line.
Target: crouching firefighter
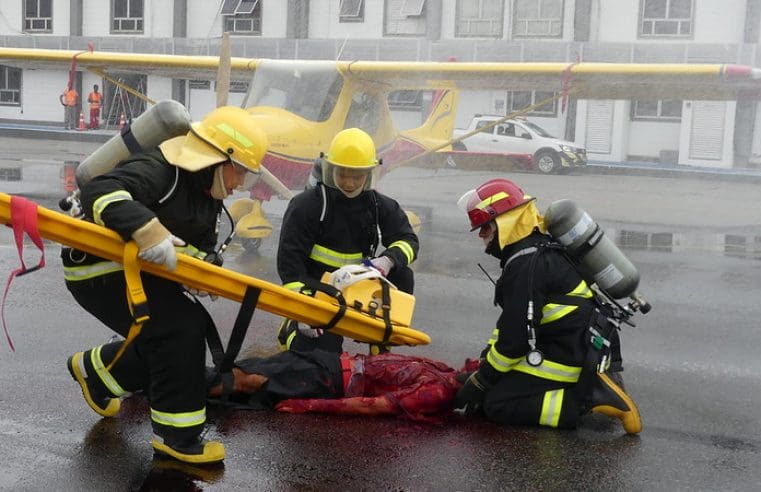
166,199
551,356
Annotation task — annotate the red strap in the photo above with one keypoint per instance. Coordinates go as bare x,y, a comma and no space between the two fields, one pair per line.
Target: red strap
23,220
566,83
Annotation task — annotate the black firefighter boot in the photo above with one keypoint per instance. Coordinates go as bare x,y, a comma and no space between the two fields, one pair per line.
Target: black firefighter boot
191,449
98,398
609,399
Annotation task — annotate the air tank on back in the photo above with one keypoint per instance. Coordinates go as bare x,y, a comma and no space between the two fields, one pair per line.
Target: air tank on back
164,120
600,260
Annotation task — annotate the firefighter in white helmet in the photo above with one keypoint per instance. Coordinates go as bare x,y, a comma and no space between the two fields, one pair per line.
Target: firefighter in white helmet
167,199
539,367
340,221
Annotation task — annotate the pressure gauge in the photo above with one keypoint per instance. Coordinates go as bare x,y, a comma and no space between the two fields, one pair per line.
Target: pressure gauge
534,358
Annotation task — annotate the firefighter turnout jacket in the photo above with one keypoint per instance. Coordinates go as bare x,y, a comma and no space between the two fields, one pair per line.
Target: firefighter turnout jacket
324,230
167,359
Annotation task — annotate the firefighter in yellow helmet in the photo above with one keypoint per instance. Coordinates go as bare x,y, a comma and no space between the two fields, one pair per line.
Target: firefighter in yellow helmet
166,199
342,220
539,366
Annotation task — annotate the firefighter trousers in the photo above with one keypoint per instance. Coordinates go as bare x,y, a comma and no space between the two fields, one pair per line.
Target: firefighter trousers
167,360
521,399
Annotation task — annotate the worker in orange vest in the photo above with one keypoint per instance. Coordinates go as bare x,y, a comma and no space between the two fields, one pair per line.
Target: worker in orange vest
94,98
69,99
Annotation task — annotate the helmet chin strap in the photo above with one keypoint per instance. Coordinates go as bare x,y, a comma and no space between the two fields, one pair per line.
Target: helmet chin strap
218,189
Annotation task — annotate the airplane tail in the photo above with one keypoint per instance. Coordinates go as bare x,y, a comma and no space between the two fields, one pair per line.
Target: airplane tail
438,126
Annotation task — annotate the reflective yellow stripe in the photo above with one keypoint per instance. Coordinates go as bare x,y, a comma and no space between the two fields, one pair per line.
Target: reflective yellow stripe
233,133
182,419
581,290
551,407
101,203
550,370
494,337
494,198
333,258
75,274
104,375
191,250
294,285
289,340
499,362
553,312
406,249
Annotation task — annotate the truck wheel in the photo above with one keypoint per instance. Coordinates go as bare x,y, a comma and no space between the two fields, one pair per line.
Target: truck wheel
547,162
459,146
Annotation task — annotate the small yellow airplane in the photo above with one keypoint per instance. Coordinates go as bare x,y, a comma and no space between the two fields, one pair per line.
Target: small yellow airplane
303,104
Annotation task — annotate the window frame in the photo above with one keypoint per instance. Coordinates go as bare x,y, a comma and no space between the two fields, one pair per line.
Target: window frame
242,23
528,35
538,113
659,111
359,16
5,71
48,21
405,103
420,11
653,20
459,33
139,21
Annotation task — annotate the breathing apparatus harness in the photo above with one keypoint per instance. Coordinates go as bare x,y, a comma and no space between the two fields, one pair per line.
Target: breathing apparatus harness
607,317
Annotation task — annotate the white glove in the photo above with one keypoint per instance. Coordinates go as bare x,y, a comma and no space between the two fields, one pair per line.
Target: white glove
199,293
163,253
383,264
310,332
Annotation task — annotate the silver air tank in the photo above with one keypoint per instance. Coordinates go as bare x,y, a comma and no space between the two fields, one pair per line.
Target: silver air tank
164,120
599,259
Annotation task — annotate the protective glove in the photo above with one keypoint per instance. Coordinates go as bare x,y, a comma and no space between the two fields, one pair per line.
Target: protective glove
199,293
470,397
383,264
156,244
310,332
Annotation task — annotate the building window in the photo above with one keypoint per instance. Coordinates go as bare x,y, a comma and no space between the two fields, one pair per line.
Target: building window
538,18
479,18
199,84
405,18
10,86
408,100
657,110
351,11
242,16
666,18
519,100
38,16
126,16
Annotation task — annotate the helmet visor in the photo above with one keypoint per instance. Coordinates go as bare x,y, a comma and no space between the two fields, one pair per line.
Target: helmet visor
249,177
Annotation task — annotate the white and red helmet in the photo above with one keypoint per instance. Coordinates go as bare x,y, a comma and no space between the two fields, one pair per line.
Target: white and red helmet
491,199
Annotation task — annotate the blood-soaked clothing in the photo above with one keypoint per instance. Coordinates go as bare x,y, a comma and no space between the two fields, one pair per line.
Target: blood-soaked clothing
412,387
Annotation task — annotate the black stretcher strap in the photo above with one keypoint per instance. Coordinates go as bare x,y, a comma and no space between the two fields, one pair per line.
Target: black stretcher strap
313,285
224,359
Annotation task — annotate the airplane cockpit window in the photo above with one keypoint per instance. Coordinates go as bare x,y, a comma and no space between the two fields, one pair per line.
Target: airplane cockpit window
307,89
363,113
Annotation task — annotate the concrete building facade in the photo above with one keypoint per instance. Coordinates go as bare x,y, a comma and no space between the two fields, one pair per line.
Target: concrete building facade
700,133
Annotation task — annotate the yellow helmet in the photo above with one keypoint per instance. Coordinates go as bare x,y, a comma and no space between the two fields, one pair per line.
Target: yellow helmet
225,133
354,150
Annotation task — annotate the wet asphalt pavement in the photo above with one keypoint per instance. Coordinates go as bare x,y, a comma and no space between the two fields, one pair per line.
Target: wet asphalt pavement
691,364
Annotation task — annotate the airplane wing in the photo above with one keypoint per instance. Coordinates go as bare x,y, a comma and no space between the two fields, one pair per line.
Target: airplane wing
175,66
585,80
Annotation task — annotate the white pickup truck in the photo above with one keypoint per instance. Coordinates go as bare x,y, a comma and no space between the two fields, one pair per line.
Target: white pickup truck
518,136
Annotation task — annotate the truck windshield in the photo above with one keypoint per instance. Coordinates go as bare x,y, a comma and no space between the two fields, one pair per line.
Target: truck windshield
537,129
309,89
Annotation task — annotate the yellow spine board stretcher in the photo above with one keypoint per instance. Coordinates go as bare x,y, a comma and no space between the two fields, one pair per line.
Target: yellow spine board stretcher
198,274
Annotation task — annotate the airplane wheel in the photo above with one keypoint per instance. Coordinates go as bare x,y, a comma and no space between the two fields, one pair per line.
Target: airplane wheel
251,245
